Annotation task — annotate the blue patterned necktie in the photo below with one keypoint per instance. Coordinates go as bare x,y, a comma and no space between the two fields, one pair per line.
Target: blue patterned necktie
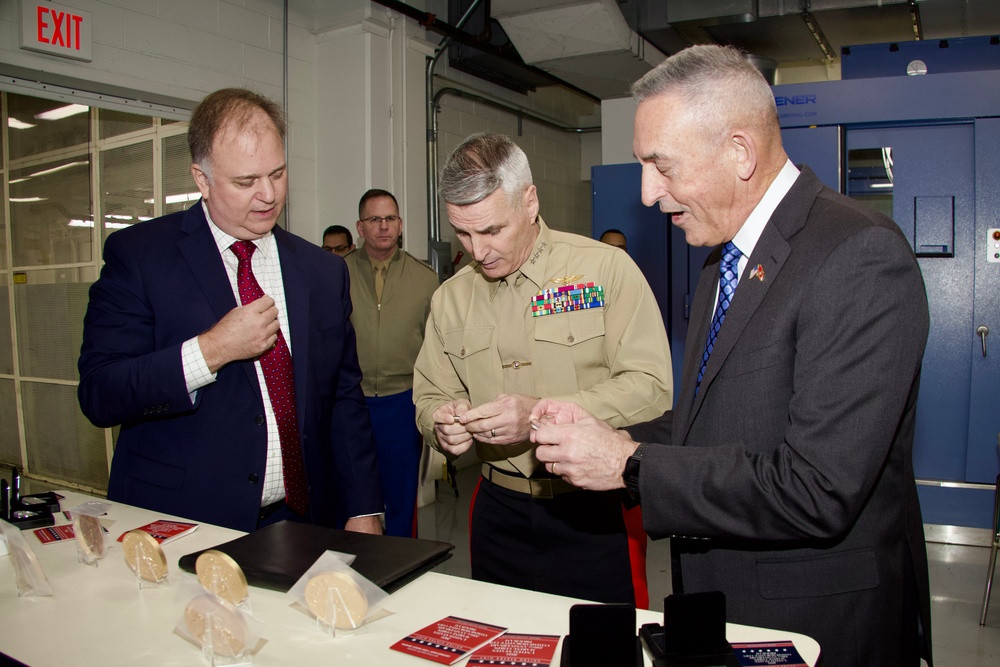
728,277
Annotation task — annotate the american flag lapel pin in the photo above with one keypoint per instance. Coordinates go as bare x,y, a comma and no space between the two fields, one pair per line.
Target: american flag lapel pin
758,273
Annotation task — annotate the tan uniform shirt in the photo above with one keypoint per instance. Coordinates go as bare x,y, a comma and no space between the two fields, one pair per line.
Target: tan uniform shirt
389,332
482,340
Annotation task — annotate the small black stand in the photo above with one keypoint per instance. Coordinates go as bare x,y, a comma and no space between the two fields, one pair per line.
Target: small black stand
693,633
601,635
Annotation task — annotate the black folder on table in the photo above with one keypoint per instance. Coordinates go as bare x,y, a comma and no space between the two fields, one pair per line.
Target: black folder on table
276,556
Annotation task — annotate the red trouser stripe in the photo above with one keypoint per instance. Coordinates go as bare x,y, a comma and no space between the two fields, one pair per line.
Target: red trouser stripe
637,554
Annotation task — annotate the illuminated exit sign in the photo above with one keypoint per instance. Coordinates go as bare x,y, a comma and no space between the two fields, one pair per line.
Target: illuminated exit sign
56,29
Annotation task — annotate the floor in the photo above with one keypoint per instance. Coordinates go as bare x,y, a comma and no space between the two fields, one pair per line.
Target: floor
958,560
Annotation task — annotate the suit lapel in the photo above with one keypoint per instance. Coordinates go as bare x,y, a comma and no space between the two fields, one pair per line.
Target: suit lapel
199,250
295,280
771,252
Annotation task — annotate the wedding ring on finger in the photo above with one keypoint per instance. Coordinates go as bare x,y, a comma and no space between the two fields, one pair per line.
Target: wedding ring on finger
493,433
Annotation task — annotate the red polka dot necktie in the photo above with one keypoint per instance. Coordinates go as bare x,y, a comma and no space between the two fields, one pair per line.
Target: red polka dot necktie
728,277
279,378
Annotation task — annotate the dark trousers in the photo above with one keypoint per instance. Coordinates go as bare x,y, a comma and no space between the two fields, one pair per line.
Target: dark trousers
398,444
574,544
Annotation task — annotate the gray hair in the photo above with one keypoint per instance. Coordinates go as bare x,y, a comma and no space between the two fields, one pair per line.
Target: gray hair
481,165
719,86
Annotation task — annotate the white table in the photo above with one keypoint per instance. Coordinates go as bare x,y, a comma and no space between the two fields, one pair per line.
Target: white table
98,616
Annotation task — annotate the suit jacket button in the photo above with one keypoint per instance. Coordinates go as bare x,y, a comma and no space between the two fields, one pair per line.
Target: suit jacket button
253,477
259,420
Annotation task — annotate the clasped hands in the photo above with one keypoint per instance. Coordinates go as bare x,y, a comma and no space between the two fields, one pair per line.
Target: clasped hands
245,332
571,442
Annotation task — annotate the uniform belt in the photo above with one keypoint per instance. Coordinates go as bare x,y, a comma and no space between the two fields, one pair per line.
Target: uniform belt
536,487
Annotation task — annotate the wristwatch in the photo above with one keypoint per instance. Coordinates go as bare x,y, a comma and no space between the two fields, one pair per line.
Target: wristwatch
631,473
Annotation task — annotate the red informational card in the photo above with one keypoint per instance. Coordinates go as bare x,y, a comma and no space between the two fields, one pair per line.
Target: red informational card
448,640
753,654
164,531
54,533
515,649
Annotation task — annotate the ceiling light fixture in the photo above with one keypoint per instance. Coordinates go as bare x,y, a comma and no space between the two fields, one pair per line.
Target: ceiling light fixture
62,112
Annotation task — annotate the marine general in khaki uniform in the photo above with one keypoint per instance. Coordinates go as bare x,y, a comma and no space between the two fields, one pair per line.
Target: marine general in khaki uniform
540,313
391,293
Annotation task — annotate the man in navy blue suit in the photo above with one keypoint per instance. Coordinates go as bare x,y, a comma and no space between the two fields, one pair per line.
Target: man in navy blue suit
169,352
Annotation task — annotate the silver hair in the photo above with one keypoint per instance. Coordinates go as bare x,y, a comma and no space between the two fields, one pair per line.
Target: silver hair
719,86
481,165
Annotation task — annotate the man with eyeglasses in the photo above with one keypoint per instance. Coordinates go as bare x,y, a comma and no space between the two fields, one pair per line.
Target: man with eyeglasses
391,291
338,240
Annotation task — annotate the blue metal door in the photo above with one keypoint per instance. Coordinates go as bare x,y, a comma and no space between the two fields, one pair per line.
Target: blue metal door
925,178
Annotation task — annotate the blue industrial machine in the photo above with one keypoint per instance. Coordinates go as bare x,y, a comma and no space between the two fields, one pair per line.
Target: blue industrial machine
924,148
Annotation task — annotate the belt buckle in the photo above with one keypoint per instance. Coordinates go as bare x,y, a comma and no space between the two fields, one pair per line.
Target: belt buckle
540,488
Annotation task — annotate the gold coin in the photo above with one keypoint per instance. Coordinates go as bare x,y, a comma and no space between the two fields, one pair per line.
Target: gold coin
218,573
89,535
336,599
210,619
144,555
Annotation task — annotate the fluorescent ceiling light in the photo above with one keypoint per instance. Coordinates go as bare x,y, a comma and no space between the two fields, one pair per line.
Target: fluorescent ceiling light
25,200
177,199
118,217
62,112
20,180
880,185
68,165
81,223
18,124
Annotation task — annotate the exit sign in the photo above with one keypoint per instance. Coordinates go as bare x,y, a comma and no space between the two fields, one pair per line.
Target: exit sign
56,29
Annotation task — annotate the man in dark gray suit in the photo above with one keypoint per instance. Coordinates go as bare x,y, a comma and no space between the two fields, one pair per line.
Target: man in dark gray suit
784,474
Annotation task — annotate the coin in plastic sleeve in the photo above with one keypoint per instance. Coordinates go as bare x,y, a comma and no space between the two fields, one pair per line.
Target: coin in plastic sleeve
208,618
144,555
218,573
349,602
89,535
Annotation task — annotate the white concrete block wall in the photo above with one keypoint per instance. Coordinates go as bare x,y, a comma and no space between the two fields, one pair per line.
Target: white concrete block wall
356,117
554,157
180,50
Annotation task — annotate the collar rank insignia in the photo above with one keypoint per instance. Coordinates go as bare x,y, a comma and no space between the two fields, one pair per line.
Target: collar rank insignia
567,298
758,273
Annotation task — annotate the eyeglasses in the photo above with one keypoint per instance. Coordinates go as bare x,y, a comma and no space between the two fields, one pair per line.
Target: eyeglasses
337,248
375,219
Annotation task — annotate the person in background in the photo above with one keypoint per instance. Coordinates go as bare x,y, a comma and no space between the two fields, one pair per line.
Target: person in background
223,346
784,476
391,291
538,313
616,238
337,239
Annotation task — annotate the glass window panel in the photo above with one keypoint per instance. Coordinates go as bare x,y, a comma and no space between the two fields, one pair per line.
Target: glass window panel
870,177
10,445
51,214
6,345
126,179
115,123
49,309
40,126
179,189
65,445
